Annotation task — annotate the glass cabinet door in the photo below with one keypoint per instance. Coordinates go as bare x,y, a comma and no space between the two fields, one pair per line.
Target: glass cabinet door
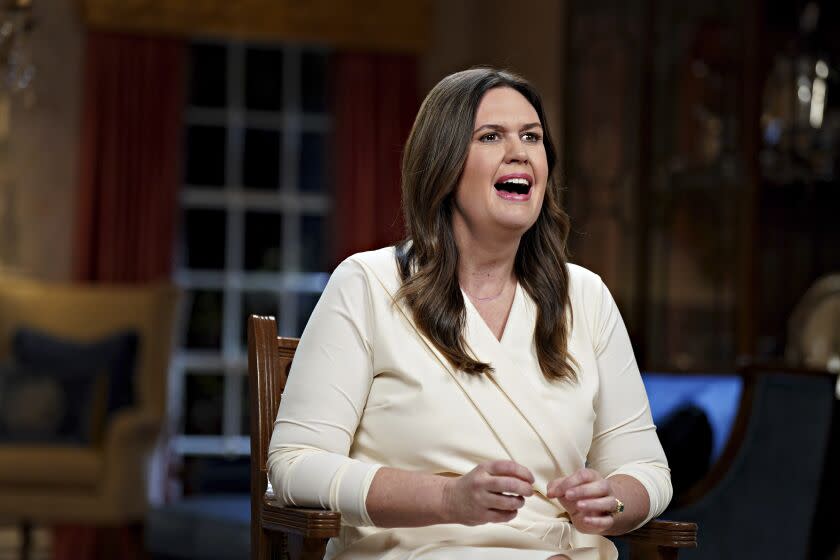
653,154
697,186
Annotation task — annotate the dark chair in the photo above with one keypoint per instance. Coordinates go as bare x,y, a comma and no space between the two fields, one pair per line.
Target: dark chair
759,499
279,532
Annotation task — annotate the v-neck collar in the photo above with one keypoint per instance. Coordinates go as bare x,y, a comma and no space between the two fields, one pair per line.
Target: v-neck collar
474,316
514,361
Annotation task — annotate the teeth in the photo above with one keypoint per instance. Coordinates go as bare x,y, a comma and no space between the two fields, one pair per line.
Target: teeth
518,181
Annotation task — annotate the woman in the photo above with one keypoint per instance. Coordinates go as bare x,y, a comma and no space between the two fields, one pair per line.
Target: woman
470,394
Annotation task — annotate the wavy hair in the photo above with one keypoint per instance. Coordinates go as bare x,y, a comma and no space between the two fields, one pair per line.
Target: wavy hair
432,163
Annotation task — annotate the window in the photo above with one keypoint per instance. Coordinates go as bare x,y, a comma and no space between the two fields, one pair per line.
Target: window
254,204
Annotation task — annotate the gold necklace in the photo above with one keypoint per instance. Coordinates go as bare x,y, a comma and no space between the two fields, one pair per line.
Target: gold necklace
488,298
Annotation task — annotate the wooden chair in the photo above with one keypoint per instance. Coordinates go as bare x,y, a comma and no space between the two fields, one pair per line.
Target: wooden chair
278,532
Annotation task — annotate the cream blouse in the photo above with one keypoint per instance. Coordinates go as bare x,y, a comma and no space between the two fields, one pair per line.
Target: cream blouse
366,389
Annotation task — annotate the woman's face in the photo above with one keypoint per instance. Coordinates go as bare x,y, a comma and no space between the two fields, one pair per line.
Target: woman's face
501,189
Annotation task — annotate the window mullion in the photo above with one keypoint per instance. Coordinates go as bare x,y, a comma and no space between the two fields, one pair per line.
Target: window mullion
288,283
232,323
290,158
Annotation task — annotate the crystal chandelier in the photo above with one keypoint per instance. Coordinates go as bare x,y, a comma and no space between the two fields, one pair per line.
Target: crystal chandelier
16,68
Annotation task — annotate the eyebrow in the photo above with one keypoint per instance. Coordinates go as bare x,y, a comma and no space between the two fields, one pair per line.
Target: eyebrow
500,128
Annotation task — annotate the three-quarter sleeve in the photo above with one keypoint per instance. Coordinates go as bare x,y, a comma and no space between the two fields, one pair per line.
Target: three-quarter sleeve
323,401
624,437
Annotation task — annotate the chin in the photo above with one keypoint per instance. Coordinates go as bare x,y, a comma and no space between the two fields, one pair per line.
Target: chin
519,218
517,226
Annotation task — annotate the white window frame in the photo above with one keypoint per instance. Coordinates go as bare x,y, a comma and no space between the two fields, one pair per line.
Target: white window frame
231,359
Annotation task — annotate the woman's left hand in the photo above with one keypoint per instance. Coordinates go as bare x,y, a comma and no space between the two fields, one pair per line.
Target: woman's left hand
589,499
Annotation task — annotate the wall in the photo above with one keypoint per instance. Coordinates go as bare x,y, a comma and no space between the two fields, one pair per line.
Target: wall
527,37
43,146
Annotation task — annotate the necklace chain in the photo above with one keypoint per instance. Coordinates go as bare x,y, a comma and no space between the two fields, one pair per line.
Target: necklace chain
488,298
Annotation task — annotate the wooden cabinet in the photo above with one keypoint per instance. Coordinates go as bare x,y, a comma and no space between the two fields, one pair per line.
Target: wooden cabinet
669,143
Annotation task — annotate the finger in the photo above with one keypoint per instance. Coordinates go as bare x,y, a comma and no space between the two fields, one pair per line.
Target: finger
551,489
597,489
600,522
581,476
597,506
506,503
571,508
500,516
509,485
510,468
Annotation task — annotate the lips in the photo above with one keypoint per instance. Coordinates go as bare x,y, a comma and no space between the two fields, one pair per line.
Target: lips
514,187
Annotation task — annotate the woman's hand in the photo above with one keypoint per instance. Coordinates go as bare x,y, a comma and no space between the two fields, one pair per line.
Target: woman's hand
589,499
492,492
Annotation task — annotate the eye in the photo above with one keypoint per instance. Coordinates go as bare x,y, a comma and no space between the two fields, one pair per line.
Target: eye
489,137
531,137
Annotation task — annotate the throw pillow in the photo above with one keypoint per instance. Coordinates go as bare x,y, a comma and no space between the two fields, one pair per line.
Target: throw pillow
116,355
49,407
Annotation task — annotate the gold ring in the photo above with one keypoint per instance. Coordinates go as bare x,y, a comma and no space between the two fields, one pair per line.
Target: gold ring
619,506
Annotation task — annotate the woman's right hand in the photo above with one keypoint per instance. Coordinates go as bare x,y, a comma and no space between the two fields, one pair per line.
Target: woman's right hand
477,497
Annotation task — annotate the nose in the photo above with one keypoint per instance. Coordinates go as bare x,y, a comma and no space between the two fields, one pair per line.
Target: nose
516,152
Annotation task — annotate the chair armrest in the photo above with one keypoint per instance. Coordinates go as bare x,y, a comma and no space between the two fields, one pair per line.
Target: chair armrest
130,438
321,523
307,522
671,534
131,426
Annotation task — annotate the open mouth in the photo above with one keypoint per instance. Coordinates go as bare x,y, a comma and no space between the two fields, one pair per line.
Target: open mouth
515,187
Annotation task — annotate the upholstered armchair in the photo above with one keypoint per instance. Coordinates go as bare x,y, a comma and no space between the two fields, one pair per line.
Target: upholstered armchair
86,464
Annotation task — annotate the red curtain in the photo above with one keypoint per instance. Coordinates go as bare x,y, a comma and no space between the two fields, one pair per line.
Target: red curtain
127,202
374,107
130,149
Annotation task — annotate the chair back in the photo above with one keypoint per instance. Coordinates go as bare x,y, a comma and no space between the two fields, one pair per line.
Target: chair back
269,360
87,312
775,470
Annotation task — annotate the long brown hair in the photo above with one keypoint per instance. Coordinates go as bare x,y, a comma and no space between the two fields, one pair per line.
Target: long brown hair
432,163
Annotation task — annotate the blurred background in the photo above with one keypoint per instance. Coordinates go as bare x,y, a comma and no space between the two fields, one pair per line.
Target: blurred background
168,168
